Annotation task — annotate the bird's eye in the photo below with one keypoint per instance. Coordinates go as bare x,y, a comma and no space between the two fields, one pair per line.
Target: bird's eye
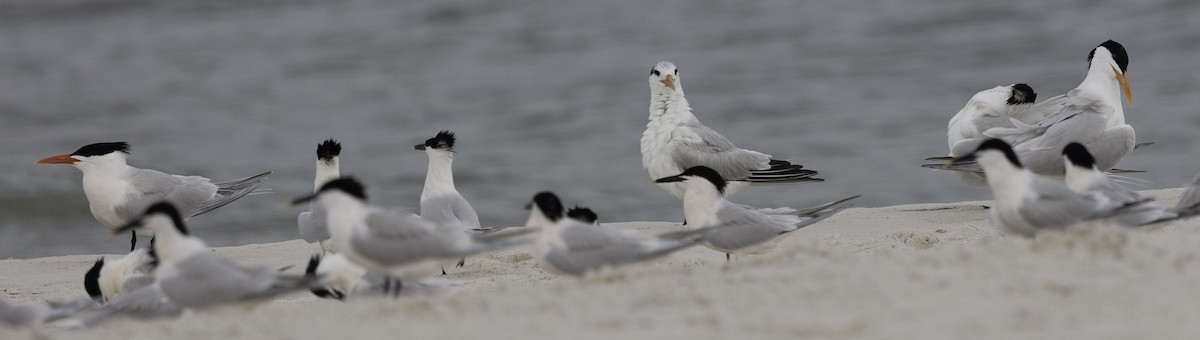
655,72
676,71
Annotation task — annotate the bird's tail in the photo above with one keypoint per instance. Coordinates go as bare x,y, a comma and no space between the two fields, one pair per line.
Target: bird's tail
782,172
821,212
967,166
687,239
288,283
230,191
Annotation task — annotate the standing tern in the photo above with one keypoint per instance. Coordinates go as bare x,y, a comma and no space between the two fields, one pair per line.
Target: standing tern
994,108
675,140
118,193
576,247
440,201
1092,115
1084,178
741,229
1026,203
193,277
402,246
312,222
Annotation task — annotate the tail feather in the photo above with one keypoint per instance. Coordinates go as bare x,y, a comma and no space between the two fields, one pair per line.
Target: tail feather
781,172
230,191
821,215
677,246
817,209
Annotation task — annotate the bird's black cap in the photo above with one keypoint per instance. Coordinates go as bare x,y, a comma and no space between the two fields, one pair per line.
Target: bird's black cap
100,149
1022,94
348,185
583,214
329,149
1118,53
549,204
444,140
91,281
1079,155
163,207
996,144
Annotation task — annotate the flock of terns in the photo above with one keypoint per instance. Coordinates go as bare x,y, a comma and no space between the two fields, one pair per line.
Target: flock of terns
1049,165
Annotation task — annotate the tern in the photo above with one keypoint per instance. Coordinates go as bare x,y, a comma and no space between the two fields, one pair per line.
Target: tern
312,222
994,108
342,280
193,277
401,246
1026,203
440,201
675,140
741,229
118,193
123,288
576,247
104,281
1086,179
584,214
1091,115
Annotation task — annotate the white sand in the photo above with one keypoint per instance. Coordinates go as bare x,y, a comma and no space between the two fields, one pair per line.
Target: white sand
929,271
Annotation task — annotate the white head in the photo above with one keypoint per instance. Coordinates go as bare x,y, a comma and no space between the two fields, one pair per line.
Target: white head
328,167
664,78
93,156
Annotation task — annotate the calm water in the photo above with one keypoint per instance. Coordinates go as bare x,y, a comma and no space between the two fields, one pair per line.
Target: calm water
544,96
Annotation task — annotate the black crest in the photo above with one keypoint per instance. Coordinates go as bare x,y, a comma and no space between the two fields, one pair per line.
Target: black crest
165,208
1079,155
100,149
996,144
549,204
709,174
1118,54
1022,94
348,185
329,149
443,140
583,214
91,281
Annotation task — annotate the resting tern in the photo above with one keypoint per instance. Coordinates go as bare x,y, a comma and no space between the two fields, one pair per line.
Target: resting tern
402,246
106,280
575,247
118,193
675,140
441,203
1092,115
312,222
193,277
124,288
1026,203
994,108
1084,178
741,229
342,279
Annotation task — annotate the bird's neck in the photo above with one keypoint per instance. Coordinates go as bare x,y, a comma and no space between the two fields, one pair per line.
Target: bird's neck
342,216
1101,84
1080,179
1005,179
700,204
439,178
172,247
669,106
326,171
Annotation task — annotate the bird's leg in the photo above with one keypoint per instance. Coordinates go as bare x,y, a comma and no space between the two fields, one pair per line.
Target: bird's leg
387,285
443,270
728,257
460,264
133,241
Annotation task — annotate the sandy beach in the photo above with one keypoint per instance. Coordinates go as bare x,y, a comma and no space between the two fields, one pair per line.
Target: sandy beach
930,271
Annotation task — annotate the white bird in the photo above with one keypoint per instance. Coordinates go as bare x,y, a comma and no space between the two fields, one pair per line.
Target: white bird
401,246
675,140
441,203
193,277
312,222
1085,178
105,281
575,247
118,193
342,280
1092,115
994,108
741,229
1026,203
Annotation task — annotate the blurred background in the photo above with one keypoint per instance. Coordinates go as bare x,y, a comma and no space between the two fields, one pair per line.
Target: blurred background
543,96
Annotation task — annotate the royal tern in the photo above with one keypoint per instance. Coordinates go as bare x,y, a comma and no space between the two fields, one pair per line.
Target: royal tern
675,140
1092,115
193,277
441,203
576,247
400,245
1026,203
118,193
312,222
741,229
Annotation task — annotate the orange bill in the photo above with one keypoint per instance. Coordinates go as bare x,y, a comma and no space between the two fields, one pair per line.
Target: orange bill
60,159
1124,80
669,81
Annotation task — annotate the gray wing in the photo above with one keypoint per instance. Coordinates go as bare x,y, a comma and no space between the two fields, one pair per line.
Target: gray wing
590,247
1055,206
449,209
393,239
741,227
186,193
137,282
1190,198
699,145
145,303
312,224
205,279
20,314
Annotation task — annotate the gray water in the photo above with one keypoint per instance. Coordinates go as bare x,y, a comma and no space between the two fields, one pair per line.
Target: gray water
543,96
